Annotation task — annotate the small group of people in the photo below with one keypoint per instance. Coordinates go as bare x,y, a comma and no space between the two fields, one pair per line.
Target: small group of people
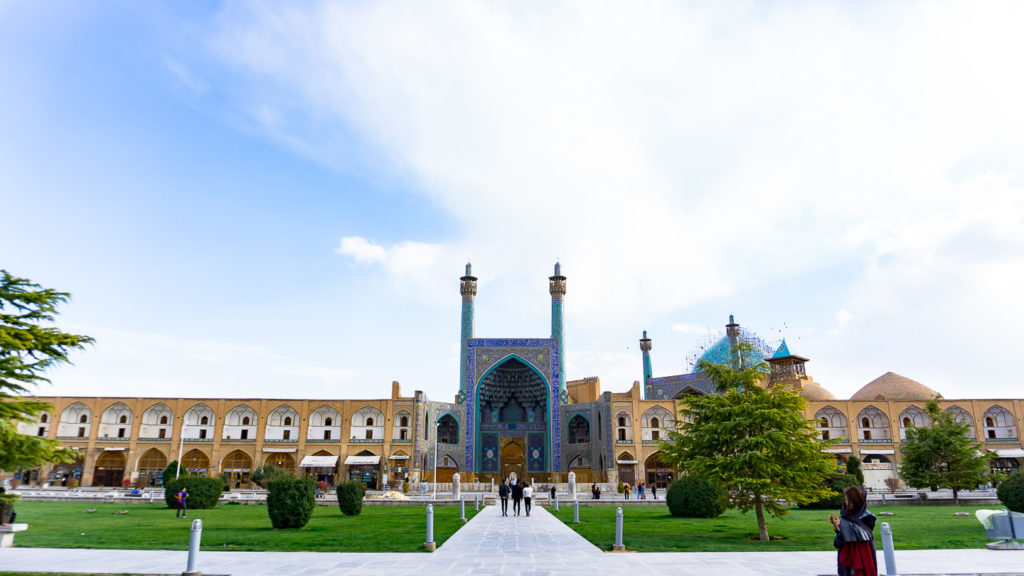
595,492
521,493
640,489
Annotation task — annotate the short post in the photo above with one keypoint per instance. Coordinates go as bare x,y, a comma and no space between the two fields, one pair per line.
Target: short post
887,548
150,497
618,547
429,544
556,502
195,535
462,509
575,511
476,502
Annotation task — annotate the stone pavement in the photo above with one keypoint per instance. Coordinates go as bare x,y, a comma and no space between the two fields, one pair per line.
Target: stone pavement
491,544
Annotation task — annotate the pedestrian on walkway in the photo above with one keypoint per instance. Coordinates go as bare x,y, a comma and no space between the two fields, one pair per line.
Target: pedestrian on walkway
503,492
654,491
517,497
625,490
527,496
182,497
855,538
552,492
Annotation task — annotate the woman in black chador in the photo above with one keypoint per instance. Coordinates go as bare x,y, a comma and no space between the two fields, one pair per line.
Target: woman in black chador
855,537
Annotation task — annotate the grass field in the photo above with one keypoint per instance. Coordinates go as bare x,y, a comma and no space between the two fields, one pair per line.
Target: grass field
154,527
653,529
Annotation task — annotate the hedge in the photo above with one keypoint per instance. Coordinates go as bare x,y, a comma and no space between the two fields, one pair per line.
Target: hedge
838,483
692,498
1011,492
290,502
350,497
202,492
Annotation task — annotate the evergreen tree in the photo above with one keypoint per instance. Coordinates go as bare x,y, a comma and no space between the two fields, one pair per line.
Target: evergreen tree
29,345
853,467
942,455
753,441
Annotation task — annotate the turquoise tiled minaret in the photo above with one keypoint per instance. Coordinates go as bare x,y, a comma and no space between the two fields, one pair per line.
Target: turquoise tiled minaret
645,347
467,288
556,286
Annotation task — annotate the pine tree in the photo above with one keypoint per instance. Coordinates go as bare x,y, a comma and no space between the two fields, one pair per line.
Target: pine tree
942,455
29,345
753,441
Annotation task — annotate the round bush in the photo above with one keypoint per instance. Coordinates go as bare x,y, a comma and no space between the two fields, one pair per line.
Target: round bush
838,483
1011,492
202,492
692,498
350,497
290,502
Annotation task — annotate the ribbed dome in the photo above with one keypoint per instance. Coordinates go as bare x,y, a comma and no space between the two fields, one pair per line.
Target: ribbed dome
815,393
721,352
892,386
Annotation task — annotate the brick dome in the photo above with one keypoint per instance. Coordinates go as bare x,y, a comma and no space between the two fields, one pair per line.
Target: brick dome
892,386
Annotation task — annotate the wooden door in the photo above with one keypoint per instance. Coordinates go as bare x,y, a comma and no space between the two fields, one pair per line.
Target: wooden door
513,459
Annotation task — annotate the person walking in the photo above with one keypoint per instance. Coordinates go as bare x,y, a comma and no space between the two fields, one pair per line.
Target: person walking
654,491
527,496
503,492
182,497
552,492
854,535
517,497
625,490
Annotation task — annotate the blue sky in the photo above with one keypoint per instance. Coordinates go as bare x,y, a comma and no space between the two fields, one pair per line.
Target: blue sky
250,199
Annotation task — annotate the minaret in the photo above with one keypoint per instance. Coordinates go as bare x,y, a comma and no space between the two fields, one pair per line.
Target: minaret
467,288
556,286
645,347
732,331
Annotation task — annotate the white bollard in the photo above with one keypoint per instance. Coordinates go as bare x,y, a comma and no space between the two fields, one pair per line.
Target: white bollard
618,530
429,544
572,485
556,502
195,535
575,511
888,551
462,509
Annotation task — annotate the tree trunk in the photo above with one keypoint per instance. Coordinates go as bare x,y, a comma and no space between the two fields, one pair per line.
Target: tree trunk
956,497
761,528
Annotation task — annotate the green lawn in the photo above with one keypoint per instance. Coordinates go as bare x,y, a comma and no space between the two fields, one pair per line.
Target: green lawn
154,527
653,529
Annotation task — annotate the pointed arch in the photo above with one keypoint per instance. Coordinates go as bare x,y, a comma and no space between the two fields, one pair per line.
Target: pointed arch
831,424
999,423
873,425
324,425
75,421
578,430
368,424
962,416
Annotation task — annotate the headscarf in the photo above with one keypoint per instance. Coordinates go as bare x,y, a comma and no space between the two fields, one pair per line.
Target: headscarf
860,531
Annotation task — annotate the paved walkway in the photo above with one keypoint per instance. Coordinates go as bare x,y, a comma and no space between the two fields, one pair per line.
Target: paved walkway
491,544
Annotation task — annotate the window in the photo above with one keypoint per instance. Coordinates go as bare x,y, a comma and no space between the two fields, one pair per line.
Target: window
448,430
369,421
162,433
328,422
287,435
404,421
907,423
823,423
85,419
622,420
867,434
163,419
42,431
865,423
824,435
81,431
287,420
245,421
245,434
202,434
123,419
578,430
120,432
991,433
369,434
622,433
403,434
204,421
655,435
44,418
988,422
654,423
327,434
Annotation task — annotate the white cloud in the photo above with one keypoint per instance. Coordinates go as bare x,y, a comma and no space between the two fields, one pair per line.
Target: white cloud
671,156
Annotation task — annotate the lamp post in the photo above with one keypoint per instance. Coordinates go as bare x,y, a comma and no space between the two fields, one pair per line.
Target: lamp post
181,446
436,424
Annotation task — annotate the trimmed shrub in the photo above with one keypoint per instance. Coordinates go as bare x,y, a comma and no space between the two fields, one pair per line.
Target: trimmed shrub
268,473
172,470
1011,492
692,498
853,467
350,497
838,483
202,492
290,502
620,488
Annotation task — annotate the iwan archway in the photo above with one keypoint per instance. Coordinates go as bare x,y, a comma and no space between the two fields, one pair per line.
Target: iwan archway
513,433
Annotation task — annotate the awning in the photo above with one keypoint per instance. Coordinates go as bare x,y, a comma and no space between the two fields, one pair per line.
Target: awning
358,460
319,462
627,461
399,457
113,449
876,451
839,450
1010,453
281,450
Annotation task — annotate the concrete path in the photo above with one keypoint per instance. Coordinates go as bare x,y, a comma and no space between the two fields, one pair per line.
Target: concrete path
491,544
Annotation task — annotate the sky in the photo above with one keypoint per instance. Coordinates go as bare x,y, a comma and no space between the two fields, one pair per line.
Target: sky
266,199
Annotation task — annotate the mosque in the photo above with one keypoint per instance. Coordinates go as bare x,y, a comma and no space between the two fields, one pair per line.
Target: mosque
514,412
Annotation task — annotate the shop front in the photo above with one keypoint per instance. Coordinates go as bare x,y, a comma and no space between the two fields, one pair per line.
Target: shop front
364,468
322,467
